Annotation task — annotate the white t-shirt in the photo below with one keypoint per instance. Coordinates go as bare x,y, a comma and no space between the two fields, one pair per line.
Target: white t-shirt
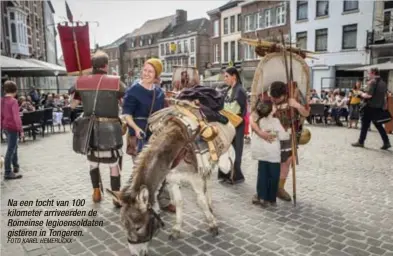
264,151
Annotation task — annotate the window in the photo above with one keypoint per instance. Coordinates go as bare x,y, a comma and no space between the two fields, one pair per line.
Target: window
178,47
216,57
239,22
167,48
141,41
250,22
301,40
226,52
233,25
302,12
268,20
216,28
192,61
185,42
233,51
260,20
388,21
349,36
322,8
13,33
281,15
192,49
321,36
162,49
350,5
225,26
249,52
17,26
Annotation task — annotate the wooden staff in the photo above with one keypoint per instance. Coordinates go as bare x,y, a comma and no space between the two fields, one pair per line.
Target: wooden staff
289,75
78,61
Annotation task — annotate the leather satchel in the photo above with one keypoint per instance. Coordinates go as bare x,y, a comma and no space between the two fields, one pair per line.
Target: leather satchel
82,129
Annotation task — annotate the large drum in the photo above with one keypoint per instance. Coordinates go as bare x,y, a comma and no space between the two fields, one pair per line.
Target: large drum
272,68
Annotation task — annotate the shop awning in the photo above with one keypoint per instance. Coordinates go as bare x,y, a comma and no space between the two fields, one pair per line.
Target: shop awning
29,68
56,69
382,66
11,64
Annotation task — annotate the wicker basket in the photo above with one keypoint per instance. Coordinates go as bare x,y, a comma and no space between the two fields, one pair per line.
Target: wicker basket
233,118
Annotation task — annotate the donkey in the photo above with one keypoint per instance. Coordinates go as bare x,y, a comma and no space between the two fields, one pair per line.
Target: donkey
167,149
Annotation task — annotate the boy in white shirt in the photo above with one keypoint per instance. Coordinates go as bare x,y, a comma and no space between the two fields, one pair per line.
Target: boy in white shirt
268,154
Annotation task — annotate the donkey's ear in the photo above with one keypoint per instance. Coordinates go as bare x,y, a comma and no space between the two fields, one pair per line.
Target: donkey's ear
116,195
143,199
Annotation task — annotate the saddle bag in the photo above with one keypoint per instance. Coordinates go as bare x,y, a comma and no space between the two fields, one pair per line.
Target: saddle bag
81,129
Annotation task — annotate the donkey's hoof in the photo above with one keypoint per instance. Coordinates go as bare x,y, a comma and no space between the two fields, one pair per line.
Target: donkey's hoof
175,234
214,231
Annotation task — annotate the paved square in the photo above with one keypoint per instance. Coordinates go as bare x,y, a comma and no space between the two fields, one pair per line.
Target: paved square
345,204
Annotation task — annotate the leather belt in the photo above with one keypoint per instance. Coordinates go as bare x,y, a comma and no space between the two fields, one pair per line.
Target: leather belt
108,119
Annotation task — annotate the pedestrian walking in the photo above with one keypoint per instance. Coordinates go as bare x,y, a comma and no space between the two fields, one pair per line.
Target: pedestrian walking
375,99
11,123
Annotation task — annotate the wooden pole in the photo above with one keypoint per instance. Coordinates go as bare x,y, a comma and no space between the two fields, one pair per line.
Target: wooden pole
76,50
289,75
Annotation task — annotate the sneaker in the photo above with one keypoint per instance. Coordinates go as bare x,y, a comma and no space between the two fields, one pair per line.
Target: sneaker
386,146
274,204
357,145
12,176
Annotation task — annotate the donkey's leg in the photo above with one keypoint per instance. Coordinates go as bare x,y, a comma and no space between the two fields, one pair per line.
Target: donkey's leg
177,198
198,184
208,193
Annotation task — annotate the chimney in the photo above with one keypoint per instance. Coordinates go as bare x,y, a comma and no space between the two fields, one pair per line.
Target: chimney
181,17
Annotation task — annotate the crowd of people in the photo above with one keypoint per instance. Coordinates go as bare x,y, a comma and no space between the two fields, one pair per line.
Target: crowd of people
271,139
13,105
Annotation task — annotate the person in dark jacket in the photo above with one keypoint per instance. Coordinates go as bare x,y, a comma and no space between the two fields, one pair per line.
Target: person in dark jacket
375,98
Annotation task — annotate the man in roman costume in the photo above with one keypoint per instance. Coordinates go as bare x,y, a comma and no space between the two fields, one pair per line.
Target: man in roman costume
100,127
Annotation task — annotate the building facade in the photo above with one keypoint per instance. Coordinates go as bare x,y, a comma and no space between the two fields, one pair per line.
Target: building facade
50,32
142,45
185,44
263,20
337,32
381,38
226,27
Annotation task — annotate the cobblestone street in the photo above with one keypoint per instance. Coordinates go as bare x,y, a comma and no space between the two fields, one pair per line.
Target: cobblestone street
344,204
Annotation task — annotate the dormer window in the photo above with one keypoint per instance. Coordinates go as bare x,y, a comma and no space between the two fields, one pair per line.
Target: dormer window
141,41
132,43
150,40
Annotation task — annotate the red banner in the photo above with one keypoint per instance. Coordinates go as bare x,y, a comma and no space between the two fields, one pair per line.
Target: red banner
76,55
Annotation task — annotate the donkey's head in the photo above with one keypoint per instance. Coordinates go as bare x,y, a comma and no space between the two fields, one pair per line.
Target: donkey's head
138,218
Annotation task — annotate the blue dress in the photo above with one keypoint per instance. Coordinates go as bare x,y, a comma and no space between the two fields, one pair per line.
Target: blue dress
137,103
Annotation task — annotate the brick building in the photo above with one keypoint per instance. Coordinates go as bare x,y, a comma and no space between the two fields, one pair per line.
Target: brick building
262,19
185,43
23,29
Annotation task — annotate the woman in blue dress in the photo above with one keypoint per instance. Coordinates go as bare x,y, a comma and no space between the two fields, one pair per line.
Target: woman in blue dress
141,100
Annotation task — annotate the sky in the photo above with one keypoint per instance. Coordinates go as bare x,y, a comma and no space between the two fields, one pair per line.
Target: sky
119,17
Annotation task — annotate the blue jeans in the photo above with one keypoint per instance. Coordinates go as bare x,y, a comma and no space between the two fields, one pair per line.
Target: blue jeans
12,152
268,179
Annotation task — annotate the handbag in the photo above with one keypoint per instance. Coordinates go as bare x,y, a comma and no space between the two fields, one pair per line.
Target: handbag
82,129
133,144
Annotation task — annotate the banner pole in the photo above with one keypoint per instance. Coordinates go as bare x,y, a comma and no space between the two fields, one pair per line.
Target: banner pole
76,50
